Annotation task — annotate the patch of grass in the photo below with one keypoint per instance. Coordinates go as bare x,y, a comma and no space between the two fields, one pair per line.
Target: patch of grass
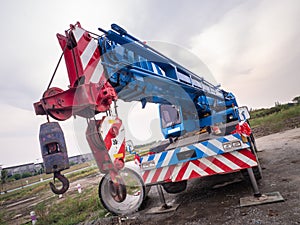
83,173
37,188
12,184
23,193
141,152
277,120
72,209
2,217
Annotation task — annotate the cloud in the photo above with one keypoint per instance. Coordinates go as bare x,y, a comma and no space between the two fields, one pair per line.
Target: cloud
179,21
250,49
17,122
18,135
29,53
142,124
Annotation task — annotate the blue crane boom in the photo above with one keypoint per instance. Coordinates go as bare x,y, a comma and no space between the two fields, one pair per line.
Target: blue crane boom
141,73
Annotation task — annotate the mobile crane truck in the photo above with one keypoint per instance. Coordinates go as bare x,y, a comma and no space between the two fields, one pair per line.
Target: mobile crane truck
205,131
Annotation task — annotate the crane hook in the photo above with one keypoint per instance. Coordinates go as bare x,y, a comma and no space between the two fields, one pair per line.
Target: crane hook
63,180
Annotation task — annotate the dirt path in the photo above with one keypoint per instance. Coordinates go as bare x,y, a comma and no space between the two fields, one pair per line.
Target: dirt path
203,203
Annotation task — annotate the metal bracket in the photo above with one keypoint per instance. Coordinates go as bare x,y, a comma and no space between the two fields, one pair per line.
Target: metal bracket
263,199
258,198
164,208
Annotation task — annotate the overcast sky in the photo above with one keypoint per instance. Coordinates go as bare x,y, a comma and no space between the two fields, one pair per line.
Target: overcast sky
251,48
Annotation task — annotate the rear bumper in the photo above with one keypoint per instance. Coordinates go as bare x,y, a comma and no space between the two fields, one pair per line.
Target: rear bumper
219,164
205,158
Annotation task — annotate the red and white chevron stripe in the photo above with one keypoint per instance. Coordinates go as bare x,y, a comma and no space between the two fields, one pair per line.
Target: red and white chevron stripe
113,134
219,164
84,57
89,54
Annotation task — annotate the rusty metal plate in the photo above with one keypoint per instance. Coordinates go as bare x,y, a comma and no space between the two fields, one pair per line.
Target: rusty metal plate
264,199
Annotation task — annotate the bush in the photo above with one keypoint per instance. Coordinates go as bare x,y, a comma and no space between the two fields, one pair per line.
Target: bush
16,176
26,174
265,112
72,163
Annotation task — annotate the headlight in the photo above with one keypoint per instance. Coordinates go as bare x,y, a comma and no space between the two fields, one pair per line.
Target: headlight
228,146
236,144
148,165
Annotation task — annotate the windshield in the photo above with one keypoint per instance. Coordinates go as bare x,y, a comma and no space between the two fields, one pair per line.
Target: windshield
169,115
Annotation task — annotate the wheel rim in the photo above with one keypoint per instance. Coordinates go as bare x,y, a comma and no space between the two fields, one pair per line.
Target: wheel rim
117,191
135,192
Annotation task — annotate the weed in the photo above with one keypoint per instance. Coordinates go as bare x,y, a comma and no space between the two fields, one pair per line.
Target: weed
3,217
73,209
275,121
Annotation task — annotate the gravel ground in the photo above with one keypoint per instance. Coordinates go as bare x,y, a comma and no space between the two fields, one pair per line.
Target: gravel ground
215,200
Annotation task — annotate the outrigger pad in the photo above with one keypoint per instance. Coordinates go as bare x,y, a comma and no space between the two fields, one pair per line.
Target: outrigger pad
263,199
160,209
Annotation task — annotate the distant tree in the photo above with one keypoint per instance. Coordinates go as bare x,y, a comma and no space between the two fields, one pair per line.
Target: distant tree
277,104
4,175
296,100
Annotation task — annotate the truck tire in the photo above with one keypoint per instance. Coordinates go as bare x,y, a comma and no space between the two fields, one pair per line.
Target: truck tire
135,193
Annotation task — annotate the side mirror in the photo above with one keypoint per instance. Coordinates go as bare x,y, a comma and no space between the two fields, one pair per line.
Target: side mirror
244,113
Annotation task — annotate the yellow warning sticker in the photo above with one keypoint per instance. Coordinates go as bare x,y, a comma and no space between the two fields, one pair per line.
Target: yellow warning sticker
111,121
120,155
